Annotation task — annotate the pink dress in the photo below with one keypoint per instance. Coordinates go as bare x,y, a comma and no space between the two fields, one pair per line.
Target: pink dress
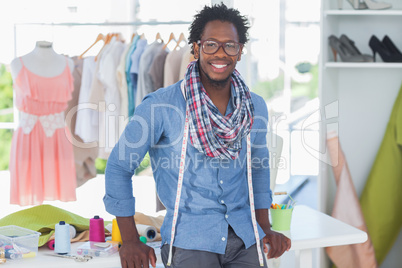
41,159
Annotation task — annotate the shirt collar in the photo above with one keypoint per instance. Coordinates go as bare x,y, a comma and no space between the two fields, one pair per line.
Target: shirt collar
232,103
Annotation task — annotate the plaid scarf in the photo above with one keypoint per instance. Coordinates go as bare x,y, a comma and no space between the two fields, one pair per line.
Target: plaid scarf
210,132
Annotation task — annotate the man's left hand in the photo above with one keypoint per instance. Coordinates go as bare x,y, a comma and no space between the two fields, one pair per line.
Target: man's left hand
278,243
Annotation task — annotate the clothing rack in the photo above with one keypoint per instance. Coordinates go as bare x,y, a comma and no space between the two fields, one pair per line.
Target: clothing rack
74,24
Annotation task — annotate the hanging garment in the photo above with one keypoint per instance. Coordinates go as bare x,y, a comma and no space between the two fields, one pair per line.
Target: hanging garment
84,156
172,67
185,61
156,70
145,83
122,82
355,255
107,75
132,58
41,158
380,198
87,124
97,97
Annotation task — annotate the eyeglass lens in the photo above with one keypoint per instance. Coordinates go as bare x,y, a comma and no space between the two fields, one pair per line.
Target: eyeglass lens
211,47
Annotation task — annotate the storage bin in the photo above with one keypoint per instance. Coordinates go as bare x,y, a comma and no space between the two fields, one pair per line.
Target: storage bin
18,242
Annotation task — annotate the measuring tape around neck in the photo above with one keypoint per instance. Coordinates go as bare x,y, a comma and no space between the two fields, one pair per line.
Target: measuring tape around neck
251,198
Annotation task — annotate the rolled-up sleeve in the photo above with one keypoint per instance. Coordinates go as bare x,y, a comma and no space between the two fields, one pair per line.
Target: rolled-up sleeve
126,156
260,157
118,199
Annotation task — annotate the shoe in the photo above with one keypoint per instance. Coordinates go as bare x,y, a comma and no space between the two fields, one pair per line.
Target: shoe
344,52
356,4
390,45
386,55
377,5
351,46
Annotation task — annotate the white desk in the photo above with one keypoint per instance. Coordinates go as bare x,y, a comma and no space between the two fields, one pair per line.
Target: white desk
44,261
310,230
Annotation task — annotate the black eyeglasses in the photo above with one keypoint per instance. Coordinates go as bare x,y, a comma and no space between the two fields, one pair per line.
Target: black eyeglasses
210,47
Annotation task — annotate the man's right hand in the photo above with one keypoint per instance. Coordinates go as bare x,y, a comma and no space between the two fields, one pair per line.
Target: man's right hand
135,254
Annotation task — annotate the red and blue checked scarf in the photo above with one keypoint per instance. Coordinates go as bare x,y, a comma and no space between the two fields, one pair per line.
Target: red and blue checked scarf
211,133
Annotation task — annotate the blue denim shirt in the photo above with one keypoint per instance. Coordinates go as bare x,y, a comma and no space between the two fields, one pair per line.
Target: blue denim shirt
215,191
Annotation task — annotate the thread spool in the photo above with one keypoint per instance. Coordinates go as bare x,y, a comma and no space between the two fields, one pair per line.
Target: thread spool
96,229
148,231
2,256
116,236
62,243
50,244
143,239
73,232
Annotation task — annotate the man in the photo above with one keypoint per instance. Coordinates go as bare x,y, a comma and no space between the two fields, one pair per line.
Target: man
196,132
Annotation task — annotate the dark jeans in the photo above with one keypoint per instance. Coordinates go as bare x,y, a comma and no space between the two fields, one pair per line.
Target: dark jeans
236,256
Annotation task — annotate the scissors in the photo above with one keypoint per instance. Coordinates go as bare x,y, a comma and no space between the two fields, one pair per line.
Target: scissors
77,258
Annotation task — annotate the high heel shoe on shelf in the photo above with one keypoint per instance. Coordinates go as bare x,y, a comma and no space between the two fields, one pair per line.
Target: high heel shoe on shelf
377,5
385,53
369,4
350,44
390,45
356,4
344,52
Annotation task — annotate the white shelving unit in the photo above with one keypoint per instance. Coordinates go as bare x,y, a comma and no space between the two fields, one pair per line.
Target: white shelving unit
356,99
382,65
363,12
362,93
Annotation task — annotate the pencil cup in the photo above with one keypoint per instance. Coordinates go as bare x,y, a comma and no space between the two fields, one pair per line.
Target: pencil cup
281,219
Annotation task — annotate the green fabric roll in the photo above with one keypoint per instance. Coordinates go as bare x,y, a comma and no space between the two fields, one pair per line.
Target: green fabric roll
381,206
43,218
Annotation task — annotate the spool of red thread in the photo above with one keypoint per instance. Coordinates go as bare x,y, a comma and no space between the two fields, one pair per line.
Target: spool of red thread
96,229
50,244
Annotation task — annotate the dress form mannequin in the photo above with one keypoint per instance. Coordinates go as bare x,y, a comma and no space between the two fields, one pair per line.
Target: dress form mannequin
42,61
42,164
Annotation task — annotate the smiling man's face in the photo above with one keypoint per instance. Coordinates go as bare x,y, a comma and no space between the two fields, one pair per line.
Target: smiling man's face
217,68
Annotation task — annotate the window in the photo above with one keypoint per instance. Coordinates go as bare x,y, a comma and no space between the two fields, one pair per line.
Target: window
283,61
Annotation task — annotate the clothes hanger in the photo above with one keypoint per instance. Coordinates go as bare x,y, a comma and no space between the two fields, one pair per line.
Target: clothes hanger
158,37
171,37
111,36
119,37
132,36
181,39
107,40
98,38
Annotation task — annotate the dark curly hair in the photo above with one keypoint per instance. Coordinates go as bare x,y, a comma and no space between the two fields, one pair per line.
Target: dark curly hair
218,12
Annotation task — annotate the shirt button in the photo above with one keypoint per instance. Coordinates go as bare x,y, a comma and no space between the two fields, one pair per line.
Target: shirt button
222,201
223,239
221,181
226,216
